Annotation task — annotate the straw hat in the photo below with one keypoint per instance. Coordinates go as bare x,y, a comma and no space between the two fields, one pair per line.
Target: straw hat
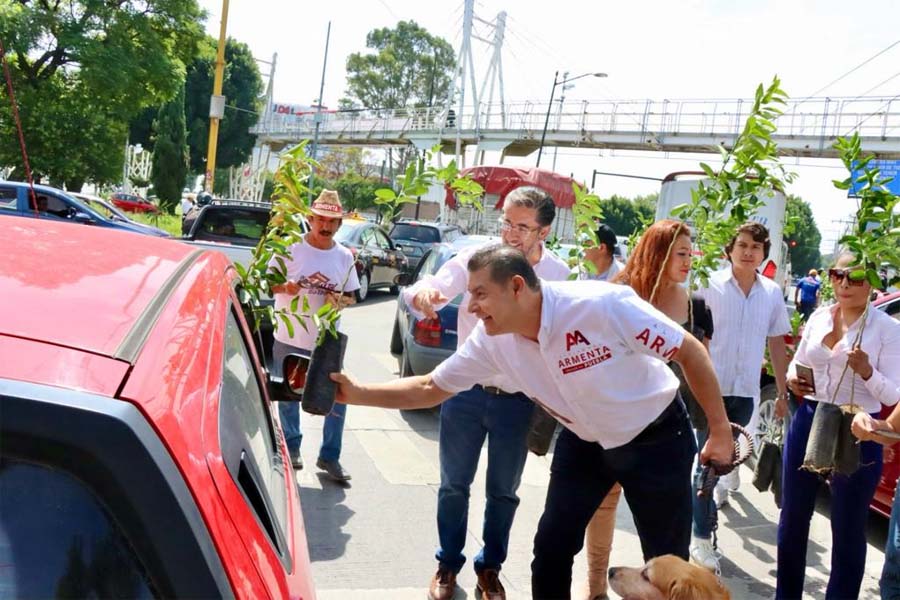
328,204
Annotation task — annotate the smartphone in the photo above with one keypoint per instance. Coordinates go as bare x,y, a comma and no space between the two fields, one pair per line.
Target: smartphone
806,374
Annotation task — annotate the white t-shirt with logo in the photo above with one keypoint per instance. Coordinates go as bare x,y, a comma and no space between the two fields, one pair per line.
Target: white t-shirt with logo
318,272
599,364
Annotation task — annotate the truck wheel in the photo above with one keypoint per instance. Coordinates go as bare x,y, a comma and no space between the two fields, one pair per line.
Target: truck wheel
363,292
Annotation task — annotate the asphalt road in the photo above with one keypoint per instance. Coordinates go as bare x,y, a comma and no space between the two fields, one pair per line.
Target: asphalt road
375,538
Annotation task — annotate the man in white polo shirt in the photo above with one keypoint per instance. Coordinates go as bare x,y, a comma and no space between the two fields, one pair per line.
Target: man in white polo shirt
594,355
748,311
491,410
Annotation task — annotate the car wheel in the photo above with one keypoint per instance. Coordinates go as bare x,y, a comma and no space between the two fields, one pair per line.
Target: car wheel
363,292
405,367
766,421
396,342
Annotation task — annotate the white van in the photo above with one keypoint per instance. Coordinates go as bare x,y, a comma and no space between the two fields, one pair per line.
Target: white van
676,189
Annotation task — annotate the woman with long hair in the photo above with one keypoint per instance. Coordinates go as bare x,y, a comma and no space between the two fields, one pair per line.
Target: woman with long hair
657,269
853,354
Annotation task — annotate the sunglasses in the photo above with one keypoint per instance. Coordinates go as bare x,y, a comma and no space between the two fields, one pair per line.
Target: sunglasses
855,277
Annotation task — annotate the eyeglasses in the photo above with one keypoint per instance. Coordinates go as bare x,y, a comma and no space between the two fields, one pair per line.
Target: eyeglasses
520,229
854,277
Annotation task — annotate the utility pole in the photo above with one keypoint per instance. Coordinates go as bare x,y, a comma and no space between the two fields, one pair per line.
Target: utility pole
318,116
216,102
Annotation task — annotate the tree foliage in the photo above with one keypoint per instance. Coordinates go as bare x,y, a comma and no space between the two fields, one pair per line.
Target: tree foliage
805,238
407,67
624,215
81,70
242,87
169,170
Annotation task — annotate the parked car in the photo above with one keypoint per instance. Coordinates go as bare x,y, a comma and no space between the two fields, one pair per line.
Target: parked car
884,493
133,203
140,453
414,238
420,345
114,214
378,260
54,204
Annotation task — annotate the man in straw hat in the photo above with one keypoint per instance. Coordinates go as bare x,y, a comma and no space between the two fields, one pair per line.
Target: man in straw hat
321,270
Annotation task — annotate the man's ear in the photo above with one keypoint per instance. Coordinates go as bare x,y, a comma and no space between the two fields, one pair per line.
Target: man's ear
518,284
543,232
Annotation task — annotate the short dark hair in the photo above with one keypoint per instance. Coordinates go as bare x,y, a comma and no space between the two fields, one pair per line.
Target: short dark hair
534,198
755,230
503,263
607,237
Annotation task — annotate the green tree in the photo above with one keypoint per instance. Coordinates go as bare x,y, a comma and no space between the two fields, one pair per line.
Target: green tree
169,169
81,70
408,67
624,215
242,87
804,241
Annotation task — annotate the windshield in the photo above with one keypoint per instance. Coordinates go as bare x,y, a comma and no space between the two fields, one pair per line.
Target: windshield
349,232
415,233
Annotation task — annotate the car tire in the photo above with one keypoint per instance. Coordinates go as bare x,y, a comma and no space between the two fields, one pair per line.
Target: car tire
766,420
405,366
363,292
396,341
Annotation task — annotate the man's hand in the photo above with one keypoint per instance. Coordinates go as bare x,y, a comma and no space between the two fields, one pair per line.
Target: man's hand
347,389
291,288
425,300
781,407
338,300
865,427
719,448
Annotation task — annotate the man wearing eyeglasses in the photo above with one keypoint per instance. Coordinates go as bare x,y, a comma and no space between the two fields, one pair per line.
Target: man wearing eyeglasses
486,410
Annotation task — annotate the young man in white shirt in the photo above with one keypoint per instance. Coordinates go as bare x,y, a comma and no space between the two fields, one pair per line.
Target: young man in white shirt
323,271
748,312
491,410
594,355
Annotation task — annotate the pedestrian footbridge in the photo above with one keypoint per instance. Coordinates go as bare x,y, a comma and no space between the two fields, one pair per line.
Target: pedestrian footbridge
807,128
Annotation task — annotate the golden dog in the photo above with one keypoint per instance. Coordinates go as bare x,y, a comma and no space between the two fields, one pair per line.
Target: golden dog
667,578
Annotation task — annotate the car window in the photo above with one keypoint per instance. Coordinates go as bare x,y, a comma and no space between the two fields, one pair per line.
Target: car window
248,433
451,235
892,308
58,541
428,265
382,240
8,198
367,237
55,206
415,233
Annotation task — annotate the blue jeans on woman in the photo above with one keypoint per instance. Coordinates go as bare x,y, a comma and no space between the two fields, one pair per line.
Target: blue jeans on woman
289,412
466,420
850,498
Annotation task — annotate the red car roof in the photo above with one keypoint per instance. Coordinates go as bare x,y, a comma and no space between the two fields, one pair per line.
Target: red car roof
99,283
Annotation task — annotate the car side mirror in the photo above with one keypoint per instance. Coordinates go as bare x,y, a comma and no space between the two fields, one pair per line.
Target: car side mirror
402,279
289,387
81,217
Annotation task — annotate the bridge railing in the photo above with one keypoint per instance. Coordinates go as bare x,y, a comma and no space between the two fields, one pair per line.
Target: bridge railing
814,117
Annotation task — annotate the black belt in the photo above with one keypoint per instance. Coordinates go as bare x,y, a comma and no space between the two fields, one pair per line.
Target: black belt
494,390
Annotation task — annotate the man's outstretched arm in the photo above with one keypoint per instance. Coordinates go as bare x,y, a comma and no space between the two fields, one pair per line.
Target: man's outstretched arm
405,393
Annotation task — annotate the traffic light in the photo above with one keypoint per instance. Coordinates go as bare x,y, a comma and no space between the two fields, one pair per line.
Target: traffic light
793,243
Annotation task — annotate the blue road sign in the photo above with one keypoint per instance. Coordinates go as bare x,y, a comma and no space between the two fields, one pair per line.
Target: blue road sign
888,168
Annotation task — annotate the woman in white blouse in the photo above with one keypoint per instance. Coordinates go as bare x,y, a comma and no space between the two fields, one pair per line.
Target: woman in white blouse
830,342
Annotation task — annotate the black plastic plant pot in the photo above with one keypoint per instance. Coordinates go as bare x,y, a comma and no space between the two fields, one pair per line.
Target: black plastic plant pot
831,446
327,358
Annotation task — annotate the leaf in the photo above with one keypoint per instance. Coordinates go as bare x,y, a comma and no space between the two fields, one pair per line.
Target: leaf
385,194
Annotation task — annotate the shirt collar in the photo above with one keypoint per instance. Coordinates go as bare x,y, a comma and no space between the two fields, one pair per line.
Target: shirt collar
729,276
548,301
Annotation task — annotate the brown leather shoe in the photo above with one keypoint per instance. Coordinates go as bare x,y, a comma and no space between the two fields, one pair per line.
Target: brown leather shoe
489,586
443,585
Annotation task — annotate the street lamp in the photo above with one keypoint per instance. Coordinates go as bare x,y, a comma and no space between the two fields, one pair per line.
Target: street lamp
557,82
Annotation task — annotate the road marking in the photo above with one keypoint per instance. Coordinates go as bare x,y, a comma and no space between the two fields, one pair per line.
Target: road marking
397,458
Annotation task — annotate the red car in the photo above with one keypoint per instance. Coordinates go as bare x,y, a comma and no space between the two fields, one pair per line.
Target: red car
884,493
133,203
140,454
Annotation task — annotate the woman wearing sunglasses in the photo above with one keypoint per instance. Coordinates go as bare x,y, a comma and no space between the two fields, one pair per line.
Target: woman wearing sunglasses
830,342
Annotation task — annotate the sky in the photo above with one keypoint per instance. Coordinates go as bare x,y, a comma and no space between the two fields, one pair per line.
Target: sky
650,49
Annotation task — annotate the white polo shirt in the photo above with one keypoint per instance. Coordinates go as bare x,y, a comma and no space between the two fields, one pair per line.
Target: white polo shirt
599,364
743,324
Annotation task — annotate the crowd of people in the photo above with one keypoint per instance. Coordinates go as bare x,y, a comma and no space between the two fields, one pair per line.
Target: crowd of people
645,379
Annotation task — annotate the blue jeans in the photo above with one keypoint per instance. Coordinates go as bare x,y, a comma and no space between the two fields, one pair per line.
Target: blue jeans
850,498
739,410
289,412
466,420
654,470
890,574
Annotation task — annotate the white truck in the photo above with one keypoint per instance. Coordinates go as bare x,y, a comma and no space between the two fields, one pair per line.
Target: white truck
676,189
